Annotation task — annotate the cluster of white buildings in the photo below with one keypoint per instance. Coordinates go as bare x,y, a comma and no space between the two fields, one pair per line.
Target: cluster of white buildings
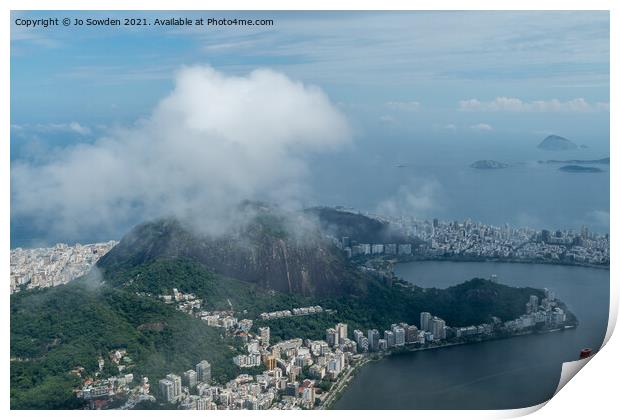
254,346
97,391
476,240
352,248
309,310
46,267
225,319
293,371
186,302
191,305
105,388
433,329
546,313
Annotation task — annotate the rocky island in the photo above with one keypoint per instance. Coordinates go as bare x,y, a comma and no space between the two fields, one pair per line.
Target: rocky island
603,161
488,164
580,169
556,143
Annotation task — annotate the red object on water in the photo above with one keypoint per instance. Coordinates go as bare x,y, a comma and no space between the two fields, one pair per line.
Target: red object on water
585,353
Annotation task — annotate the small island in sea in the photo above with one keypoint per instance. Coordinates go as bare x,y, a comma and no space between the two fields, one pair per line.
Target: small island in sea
556,143
580,169
603,161
488,164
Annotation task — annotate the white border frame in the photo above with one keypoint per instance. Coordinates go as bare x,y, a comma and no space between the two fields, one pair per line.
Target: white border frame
593,393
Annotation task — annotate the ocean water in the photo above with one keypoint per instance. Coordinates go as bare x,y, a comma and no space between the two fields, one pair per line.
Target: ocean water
434,180
511,373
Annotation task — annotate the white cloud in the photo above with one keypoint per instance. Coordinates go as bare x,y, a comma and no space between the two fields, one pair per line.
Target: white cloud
213,141
504,47
78,128
506,104
602,106
409,106
230,45
481,127
599,218
71,127
470,105
387,119
417,198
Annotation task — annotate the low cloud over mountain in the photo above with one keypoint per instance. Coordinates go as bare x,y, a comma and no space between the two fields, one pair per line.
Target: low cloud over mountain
213,141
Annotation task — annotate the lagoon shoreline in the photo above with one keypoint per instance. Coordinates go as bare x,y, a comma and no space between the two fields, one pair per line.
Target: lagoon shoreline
344,382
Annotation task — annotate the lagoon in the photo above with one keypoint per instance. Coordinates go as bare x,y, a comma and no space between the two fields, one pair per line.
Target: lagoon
511,373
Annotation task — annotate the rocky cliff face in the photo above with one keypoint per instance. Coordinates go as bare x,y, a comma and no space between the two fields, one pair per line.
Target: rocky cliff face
263,251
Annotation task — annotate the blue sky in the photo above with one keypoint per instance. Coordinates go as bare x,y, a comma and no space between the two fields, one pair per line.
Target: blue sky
380,67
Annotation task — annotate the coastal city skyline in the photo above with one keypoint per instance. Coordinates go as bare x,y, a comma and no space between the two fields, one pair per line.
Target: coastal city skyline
61,263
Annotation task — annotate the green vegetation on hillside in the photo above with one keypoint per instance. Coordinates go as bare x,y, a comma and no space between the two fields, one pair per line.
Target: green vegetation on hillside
56,330
379,306
161,275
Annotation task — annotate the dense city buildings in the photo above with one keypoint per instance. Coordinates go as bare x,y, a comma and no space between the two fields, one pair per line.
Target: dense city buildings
470,240
47,267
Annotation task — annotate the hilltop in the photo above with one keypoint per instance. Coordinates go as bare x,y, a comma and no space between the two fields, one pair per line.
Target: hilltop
272,249
364,229
556,143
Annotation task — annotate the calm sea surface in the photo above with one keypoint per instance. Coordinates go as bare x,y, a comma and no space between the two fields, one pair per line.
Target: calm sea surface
512,373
